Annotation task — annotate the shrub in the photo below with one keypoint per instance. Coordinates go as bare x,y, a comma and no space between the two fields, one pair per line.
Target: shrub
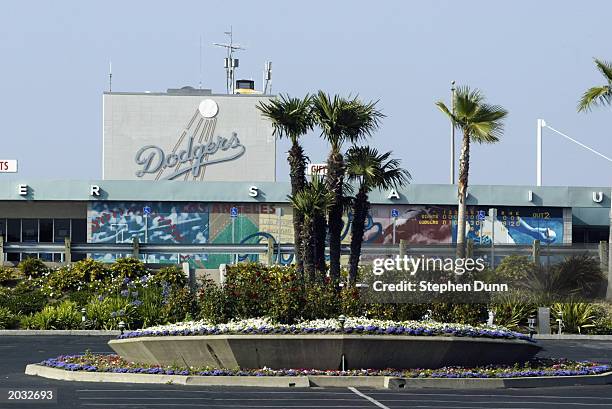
128,267
603,319
106,312
512,312
7,276
33,267
179,306
63,280
576,277
514,268
62,316
577,316
23,299
8,320
212,302
472,314
90,270
172,275
249,289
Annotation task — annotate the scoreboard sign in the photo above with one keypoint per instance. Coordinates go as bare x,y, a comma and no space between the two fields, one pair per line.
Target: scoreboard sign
8,166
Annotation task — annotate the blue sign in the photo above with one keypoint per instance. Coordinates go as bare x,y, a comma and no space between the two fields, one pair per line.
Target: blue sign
234,212
146,210
482,215
394,213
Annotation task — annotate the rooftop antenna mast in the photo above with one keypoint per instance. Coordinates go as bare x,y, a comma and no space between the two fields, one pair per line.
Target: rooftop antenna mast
110,76
200,83
267,78
230,63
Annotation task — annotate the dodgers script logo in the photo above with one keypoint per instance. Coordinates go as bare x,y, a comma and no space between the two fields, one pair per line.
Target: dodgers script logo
190,155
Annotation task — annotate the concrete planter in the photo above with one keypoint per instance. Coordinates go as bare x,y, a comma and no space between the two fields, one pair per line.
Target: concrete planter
323,351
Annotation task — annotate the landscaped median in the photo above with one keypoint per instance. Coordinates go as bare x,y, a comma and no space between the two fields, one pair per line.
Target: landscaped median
351,343
535,373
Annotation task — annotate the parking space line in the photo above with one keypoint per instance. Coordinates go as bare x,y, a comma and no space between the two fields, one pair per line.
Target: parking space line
363,395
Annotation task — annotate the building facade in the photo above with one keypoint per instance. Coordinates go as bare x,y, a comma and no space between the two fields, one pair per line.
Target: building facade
167,212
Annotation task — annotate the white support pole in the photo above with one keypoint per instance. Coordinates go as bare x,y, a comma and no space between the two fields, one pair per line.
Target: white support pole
452,137
609,290
541,124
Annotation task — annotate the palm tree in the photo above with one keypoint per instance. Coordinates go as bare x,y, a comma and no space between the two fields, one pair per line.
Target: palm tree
480,122
601,95
372,171
341,120
292,118
312,201
595,96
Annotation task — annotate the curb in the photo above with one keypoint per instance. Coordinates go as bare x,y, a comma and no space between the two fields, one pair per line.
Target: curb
39,332
570,337
321,381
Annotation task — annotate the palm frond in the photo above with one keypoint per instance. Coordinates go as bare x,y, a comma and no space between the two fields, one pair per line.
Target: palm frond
605,67
374,170
291,117
594,97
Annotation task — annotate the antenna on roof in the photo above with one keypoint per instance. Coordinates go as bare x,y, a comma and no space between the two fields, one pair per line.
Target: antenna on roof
110,76
200,62
267,78
230,63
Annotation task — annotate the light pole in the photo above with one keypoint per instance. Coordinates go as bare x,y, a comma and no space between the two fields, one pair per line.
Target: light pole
452,141
541,125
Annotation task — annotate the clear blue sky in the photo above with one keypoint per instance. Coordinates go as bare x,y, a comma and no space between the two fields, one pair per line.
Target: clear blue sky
532,57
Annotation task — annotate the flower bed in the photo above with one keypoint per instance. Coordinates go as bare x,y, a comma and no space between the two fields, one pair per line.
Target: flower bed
263,326
540,367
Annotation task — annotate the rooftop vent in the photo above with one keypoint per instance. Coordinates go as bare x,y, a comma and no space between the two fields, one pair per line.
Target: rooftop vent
189,91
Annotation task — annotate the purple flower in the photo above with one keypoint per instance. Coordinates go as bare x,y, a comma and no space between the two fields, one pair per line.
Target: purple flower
125,293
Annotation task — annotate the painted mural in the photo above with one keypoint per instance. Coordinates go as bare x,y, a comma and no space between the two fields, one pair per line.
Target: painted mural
420,224
200,223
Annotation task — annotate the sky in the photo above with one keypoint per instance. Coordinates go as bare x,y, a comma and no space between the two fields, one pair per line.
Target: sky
535,58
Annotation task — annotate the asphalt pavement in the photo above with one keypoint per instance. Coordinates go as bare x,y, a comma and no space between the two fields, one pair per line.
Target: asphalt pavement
17,351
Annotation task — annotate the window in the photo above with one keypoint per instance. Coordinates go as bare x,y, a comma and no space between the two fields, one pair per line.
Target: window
61,230
13,230
46,231
3,228
29,230
79,230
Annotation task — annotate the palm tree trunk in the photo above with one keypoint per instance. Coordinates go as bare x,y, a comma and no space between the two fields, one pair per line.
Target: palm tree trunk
360,213
335,179
307,248
297,166
464,169
320,232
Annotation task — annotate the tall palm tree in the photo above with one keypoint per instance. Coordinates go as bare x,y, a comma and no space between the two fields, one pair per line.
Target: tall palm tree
341,120
601,95
596,96
479,122
372,171
292,118
312,201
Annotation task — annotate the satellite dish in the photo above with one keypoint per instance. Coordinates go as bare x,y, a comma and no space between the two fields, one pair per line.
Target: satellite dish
208,108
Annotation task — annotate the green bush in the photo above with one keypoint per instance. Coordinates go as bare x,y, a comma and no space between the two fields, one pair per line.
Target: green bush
7,276
90,270
249,289
32,267
603,319
472,314
514,268
212,303
513,312
172,275
23,299
63,280
577,316
128,267
62,316
106,312
8,320
179,306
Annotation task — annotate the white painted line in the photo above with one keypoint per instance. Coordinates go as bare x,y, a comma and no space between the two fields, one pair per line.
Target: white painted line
212,390
199,405
498,402
501,394
363,395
